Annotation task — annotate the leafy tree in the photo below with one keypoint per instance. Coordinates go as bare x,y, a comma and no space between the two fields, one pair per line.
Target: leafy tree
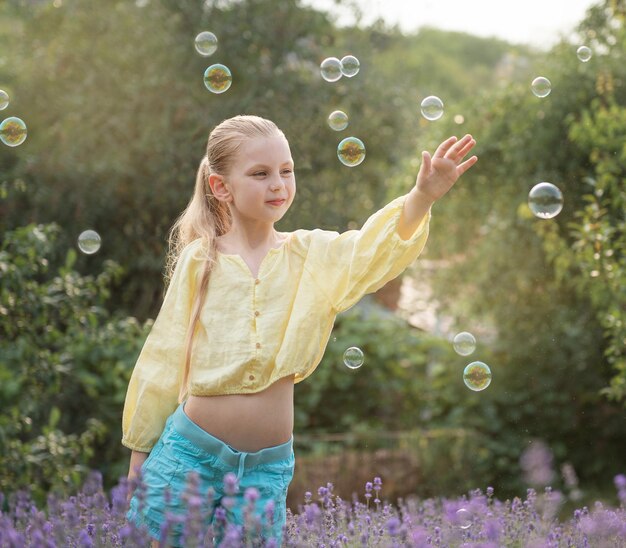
64,365
118,115
550,292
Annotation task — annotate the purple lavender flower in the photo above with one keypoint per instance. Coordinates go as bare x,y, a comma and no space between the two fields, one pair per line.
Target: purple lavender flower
536,462
620,483
220,514
232,538
312,513
269,510
231,484
252,495
84,539
393,526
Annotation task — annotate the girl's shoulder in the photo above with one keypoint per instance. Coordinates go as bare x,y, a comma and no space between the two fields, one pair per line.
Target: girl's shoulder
301,240
193,250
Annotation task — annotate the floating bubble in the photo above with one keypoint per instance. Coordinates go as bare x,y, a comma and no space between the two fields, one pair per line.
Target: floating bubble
4,99
12,131
353,357
331,69
545,200
89,242
432,108
459,119
463,518
464,343
338,120
351,151
584,53
477,376
217,78
350,66
206,43
541,86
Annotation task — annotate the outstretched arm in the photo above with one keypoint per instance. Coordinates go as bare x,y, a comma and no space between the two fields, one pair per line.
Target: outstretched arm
436,176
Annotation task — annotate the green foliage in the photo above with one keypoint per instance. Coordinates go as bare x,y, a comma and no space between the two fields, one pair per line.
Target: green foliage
118,118
64,365
385,393
118,114
550,293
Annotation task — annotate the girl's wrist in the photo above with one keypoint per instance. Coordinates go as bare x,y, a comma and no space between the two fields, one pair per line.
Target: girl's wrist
422,197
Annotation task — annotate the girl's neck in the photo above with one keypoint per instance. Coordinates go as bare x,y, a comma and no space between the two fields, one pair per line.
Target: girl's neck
250,239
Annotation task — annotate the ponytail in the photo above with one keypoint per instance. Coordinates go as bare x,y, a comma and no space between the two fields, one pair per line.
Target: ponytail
206,218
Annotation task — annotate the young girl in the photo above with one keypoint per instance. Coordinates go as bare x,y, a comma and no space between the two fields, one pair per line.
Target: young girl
248,313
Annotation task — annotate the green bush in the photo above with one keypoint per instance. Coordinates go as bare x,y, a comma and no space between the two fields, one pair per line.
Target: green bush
64,365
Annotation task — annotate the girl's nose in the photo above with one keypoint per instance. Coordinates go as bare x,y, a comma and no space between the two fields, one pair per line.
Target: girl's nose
277,183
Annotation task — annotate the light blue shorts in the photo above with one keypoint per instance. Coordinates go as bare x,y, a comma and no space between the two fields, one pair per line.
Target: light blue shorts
169,498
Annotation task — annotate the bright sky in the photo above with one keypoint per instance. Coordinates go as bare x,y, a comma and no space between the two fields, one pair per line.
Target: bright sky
540,23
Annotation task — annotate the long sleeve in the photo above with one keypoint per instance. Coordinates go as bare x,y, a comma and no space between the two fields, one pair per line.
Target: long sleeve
154,384
348,265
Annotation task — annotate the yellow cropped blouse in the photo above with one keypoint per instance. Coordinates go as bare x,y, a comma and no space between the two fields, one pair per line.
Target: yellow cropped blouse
254,331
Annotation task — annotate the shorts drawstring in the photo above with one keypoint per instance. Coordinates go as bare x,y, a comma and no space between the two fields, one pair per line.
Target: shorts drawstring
242,463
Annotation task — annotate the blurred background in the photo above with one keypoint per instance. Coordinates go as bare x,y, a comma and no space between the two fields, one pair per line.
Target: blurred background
118,116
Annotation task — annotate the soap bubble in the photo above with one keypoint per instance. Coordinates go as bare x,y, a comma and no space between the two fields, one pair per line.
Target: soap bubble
206,43
351,151
584,53
350,66
459,119
331,69
89,242
545,200
463,518
477,376
12,131
464,343
338,120
353,357
432,108
4,99
218,78
541,86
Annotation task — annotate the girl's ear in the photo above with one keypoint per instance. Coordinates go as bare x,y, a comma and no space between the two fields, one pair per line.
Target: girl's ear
219,188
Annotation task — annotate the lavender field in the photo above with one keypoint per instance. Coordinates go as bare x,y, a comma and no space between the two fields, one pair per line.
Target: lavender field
478,519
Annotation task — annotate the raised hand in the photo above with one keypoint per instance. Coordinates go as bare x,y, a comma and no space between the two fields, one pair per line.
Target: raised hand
438,174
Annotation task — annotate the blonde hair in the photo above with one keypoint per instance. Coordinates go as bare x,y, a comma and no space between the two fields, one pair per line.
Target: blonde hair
205,217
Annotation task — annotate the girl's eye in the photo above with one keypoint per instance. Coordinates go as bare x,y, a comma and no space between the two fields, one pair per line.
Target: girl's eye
287,171
259,174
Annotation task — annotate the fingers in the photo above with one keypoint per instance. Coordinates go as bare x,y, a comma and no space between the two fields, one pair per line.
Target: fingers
426,164
444,147
462,168
460,148
463,150
426,161
455,149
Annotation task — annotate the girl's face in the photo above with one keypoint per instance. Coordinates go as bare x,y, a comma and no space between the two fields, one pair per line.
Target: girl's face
261,179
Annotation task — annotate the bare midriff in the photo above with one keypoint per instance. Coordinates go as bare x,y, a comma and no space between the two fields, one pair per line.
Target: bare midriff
247,422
